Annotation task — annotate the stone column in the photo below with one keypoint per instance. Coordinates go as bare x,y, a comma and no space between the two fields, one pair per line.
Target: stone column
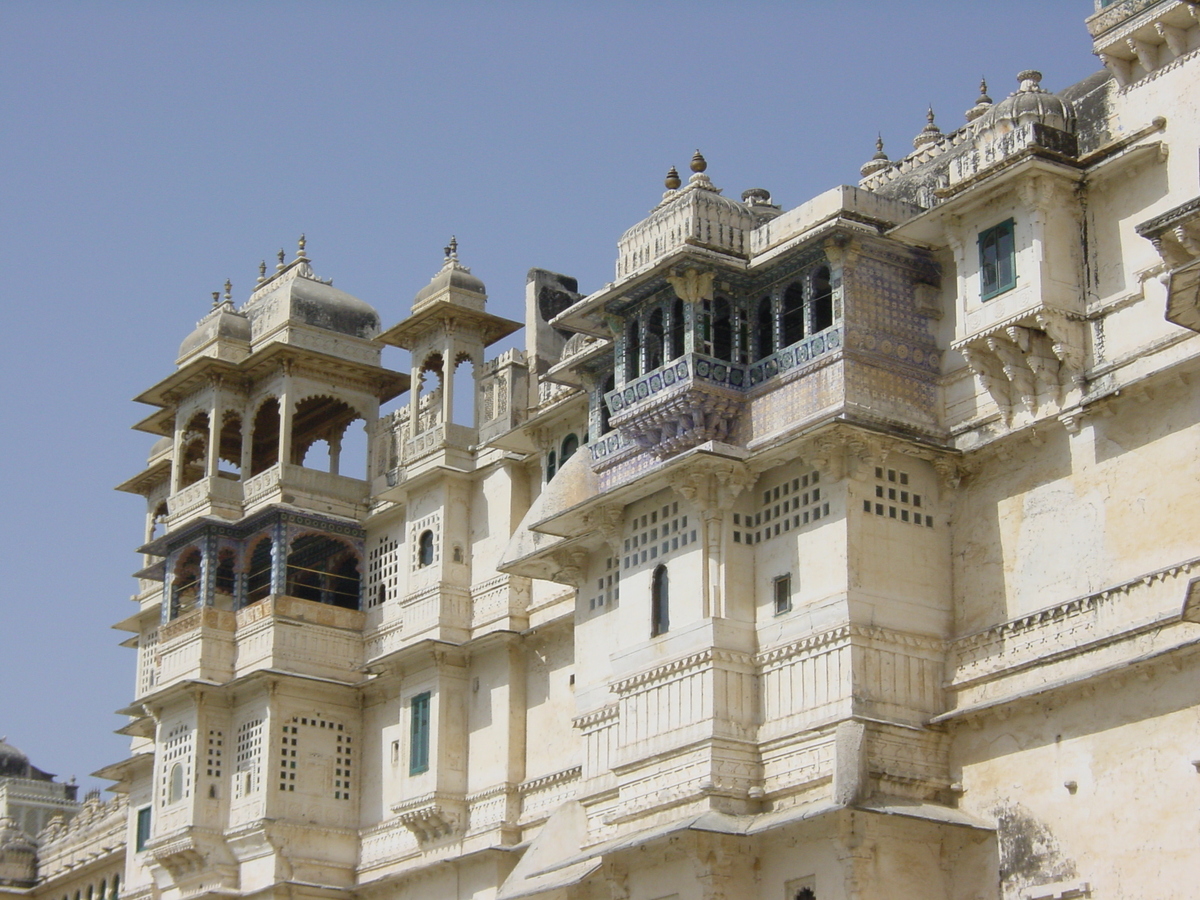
286,413
213,461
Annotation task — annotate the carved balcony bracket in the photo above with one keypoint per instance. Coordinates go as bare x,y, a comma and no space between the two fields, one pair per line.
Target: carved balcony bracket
432,818
1176,236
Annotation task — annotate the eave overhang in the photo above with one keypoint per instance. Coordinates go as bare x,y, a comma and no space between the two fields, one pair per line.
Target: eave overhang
408,332
146,480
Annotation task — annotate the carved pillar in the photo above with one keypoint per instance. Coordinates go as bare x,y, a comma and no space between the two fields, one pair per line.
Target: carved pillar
212,462
286,415
279,558
335,451
449,363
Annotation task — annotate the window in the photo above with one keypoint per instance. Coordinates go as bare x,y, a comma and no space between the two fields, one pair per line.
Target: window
633,351
793,314
783,594
764,328
997,260
143,829
569,445
660,619
677,329
418,746
425,549
655,332
175,793
821,307
551,465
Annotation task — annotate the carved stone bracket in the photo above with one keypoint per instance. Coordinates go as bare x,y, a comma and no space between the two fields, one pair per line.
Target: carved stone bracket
433,818
1176,236
570,566
692,285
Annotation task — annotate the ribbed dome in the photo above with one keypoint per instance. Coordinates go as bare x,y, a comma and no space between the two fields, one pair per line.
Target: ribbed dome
1030,104
13,763
224,323
454,276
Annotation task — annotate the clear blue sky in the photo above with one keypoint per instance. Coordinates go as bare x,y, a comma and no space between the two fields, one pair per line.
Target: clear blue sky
149,151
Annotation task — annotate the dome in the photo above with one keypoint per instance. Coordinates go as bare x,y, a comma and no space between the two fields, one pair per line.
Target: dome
1030,104
224,323
453,276
324,306
13,763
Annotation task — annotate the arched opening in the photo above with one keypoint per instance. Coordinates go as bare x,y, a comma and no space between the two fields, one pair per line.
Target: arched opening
793,314
225,579
353,462
464,391
229,452
425,549
764,328
569,445
677,329
320,421
258,572
610,384
116,887
185,583
660,602
264,441
822,300
194,450
158,522
722,325
323,570
429,403
551,464
655,333
175,791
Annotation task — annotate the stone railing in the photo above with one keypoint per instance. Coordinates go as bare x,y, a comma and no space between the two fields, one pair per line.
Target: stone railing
542,796
258,487
1069,627
205,496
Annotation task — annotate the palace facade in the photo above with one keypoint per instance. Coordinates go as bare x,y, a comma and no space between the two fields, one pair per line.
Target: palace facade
824,553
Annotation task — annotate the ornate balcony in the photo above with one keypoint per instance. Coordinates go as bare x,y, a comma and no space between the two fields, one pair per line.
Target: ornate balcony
306,488
215,496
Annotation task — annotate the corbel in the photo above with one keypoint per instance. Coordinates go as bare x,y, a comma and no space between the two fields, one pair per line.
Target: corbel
692,285
1175,37
1146,53
1120,68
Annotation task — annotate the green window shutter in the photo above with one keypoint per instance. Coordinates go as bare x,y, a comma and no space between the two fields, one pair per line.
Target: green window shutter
997,260
418,756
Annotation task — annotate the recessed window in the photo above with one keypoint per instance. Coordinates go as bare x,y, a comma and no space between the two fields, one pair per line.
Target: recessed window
997,260
143,829
425,549
418,746
660,603
783,594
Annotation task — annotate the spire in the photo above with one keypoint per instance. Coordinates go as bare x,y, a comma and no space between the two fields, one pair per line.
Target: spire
982,103
262,272
699,163
216,299
281,256
451,250
672,180
930,134
228,289
300,245
876,163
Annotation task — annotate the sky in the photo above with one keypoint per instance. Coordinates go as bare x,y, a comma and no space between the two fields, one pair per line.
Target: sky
150,151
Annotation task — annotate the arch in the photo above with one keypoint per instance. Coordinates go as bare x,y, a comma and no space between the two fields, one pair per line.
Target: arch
793,314
323,569
551,464
655,334
821,305
764,328
116,887
569,445
660,602
633,350
677,329
464,412
258,570
722,329
264,436
175,789
321,417
425,549
229,448
225,578
193,454
158,521
185,582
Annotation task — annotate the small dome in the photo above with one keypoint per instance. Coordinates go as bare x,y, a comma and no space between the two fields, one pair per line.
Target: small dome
1030,104
453,276
161,446
224,323
323,305
13,763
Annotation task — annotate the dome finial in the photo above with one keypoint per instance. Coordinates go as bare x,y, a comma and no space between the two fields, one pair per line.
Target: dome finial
228,289
982,103
451,249
930,134
300,245
1031,80
699,163
262,272
216,299
281,256
878,162
672,180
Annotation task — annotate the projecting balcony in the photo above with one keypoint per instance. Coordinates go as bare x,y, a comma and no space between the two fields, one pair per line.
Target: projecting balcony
219,495
697,398
327,643
308,489
197,646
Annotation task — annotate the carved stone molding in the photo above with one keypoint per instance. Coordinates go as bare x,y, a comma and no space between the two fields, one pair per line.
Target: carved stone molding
433,817
692,285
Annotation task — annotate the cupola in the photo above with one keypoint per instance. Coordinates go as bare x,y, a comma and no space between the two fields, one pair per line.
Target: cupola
223,333
1029,104
453,281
